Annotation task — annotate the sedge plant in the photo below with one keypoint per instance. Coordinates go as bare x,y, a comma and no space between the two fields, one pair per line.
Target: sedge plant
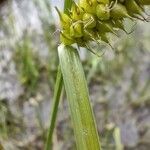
82,23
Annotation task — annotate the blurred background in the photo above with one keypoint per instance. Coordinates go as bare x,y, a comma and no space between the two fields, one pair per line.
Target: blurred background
119,82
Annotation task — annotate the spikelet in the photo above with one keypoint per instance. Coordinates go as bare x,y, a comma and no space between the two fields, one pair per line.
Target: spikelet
91,20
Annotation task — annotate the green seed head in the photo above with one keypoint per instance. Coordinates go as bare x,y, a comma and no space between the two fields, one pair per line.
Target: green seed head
133,7
76,30
65,20
76,12
89,6
103,12
66,39
91,20
143,2
119,11
103,1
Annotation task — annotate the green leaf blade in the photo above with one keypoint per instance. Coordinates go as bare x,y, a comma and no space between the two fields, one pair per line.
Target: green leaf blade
78,98
54,111
67,5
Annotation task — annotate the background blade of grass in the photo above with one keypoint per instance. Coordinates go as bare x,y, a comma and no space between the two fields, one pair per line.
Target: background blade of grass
56,99
77,93
117,138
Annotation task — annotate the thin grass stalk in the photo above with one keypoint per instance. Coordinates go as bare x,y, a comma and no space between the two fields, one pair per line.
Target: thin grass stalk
67,5
57,94
78,97
54,110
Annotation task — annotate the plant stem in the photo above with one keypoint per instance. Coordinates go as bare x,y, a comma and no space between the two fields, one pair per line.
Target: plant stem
67,5
56,99
57,94
78,97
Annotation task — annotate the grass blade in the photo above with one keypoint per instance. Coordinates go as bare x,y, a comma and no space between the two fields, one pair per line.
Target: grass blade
117,138
77,93
56,99
67,5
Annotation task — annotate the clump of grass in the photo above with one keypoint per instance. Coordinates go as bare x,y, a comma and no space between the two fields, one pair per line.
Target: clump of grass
8,122
27,64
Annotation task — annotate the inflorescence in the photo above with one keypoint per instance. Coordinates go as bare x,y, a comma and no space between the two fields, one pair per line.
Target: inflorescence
91,20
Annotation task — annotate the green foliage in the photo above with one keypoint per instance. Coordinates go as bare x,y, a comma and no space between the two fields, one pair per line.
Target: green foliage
77,94
56,99
8,122
27,64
